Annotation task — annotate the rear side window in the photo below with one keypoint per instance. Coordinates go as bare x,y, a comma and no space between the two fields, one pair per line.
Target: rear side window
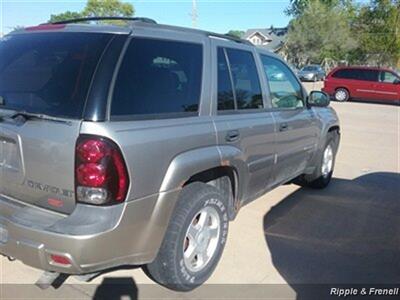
226,99
238,81
49,73
158,77
245,79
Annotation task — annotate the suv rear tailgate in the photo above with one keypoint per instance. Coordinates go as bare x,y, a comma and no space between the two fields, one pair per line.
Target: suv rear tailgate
37,162
48,74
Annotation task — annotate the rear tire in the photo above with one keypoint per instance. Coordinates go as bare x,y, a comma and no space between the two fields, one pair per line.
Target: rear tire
194,241
342,95
326,162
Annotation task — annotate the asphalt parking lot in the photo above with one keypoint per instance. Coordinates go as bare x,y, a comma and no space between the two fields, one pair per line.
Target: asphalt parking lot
347,233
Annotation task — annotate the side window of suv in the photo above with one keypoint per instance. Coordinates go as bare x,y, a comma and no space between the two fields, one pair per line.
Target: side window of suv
226,99
238,82
158,77
286,91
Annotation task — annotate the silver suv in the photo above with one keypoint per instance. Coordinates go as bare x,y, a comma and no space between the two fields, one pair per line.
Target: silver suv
138,144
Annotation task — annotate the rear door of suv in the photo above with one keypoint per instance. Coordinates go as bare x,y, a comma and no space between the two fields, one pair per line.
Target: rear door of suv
241,116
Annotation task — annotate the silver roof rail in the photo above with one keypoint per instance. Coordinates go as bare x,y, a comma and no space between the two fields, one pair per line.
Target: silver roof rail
79,20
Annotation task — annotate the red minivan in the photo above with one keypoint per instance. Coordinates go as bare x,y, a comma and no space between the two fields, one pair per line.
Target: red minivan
363,83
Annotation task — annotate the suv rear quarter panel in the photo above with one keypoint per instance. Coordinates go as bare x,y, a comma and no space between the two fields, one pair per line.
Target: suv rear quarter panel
150,146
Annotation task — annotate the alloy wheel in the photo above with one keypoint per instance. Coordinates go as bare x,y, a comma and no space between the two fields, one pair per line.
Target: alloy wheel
201,239
327,161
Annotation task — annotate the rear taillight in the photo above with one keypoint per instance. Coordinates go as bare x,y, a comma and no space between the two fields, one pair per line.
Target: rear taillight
101,176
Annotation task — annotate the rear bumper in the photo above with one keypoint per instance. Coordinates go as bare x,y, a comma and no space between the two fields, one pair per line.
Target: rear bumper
92,238
307,77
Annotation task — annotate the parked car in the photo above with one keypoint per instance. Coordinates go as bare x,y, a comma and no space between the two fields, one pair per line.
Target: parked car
312,73
138,144
363,83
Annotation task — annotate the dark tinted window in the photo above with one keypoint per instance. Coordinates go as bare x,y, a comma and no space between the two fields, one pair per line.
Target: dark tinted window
345,74
357,74
286,91
158,77
245,79
369,75
225,92
49,73
311,68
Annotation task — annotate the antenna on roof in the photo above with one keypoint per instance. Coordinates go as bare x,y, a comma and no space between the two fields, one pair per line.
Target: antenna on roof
194,14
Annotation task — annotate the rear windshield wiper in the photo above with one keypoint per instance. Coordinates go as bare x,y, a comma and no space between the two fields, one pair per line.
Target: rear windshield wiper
25,116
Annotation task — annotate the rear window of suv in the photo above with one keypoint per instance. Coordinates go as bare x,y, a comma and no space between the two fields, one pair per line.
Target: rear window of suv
49,73
158,77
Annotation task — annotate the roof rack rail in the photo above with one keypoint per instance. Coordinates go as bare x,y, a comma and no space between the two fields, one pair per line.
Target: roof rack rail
230,37
78,20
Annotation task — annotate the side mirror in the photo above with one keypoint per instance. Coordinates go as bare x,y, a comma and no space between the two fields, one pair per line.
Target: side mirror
396,81
318,99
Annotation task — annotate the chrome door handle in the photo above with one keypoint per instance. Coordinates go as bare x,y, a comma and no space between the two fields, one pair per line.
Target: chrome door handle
283,127
232,136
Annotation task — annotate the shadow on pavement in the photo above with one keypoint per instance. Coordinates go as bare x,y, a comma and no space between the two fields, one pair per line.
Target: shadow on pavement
116,288
381,102
345,234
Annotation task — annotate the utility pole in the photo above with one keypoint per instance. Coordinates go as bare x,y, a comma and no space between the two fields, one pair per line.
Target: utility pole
194,14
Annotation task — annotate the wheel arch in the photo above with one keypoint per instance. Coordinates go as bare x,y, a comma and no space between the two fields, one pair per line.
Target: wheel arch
212,165
334,128
224,178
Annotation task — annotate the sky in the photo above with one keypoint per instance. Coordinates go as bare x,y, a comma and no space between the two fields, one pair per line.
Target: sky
213,15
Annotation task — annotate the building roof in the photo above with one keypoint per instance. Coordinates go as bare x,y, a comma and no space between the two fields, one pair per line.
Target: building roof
276,36
264,32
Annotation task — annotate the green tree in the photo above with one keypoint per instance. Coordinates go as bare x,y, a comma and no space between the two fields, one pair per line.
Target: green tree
320,32
297,7
236,33
99,8
68,15
378,31
108,8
